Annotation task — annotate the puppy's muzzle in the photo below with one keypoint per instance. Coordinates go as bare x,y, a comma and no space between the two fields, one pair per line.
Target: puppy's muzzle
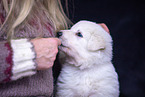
59,34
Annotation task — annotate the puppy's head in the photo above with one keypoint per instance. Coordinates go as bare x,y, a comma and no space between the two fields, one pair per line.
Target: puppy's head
86,43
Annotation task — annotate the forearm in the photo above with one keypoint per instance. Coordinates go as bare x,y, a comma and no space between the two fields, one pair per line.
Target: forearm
16,60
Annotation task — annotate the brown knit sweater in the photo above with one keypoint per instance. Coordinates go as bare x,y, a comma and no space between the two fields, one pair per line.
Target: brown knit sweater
18,77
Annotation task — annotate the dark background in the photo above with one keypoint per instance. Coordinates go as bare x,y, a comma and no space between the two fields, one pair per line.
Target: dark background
126,21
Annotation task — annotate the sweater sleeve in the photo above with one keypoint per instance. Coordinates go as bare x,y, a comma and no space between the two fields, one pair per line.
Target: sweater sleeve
16,60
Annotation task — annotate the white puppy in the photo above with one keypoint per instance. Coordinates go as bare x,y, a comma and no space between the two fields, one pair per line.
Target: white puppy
87,70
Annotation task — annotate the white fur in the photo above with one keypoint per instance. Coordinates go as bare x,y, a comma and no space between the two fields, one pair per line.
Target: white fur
87,70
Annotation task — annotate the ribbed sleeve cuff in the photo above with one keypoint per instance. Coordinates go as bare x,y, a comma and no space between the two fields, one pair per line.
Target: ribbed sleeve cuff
23,59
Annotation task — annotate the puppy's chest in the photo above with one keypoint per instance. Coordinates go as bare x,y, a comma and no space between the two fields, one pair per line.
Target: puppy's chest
84,81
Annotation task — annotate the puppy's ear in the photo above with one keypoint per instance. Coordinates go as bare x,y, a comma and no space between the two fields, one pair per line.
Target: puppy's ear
104,27
96,43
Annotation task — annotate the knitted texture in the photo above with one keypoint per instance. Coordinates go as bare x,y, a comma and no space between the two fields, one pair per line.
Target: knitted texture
6,61
10,62
23,59
40,84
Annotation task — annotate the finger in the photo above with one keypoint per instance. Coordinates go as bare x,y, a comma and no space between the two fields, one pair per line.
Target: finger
58,41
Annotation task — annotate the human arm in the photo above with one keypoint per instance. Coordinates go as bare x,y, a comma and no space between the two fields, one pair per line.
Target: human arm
19,57
16,60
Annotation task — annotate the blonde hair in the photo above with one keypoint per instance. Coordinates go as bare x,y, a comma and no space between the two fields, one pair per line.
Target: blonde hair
20,12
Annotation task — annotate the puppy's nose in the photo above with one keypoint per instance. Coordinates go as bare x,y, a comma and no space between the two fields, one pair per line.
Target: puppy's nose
59,34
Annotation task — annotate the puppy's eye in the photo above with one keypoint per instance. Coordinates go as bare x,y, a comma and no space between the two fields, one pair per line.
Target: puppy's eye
79,34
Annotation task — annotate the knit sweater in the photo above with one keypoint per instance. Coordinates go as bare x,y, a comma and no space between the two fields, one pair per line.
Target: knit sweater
18,74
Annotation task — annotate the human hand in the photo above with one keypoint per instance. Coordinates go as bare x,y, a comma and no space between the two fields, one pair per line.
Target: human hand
46,50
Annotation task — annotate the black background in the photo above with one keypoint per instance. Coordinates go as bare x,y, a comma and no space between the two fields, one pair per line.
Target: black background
126,21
